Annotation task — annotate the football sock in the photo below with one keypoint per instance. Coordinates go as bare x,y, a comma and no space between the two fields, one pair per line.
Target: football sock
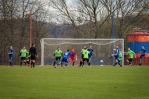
80,63
10,63
119,63
140,63
28,63
129,63
65,64
73,63
54,63
115,64
33,64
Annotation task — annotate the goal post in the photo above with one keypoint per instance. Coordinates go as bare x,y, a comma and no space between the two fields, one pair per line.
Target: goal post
103,48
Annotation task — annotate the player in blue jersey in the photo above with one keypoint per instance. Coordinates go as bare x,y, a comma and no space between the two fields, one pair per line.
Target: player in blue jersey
117,49
90,49
116,55
11,55
65,58
142,56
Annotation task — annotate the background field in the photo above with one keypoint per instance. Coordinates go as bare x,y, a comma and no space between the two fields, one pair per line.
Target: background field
95,82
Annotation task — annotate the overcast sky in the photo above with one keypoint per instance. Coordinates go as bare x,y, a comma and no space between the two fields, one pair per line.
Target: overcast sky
53,14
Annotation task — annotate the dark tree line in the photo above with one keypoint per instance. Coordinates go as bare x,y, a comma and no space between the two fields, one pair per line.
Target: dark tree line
15,26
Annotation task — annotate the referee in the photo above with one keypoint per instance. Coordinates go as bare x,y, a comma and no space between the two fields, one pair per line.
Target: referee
33,54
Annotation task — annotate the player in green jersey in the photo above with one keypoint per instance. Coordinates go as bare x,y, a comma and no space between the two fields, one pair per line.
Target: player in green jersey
23,55
81,60
57,54
85,56
131,55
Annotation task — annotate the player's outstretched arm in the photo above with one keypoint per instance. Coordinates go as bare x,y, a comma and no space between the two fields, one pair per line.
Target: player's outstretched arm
134,54
20,54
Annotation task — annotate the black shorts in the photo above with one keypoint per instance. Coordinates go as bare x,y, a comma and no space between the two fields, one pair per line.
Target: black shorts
82,56
130,60
58,58
23,58
86,59
33,57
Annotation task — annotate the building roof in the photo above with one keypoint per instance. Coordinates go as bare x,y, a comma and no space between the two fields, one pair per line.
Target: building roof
139,32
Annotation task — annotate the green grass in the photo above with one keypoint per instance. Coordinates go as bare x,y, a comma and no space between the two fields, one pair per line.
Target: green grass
94,82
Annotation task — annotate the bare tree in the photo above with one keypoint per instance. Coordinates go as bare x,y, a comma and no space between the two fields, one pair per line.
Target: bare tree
89,17
87,12
93,10
123,9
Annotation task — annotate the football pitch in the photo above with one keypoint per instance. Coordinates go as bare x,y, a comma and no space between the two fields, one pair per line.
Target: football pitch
96,82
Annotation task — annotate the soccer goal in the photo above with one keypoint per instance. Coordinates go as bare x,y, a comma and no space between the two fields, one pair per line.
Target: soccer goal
103,48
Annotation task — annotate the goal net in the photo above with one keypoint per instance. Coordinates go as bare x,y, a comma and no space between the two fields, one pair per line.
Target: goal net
103,49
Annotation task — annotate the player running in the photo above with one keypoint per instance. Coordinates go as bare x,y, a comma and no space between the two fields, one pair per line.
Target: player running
11,55
116,55
23,55
33,55
131,55
73,56
117,49
57,54
142,56
85,56
65,58
90,49
118,59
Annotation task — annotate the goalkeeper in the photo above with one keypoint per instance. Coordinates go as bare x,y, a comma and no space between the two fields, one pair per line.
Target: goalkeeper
23,55
131,55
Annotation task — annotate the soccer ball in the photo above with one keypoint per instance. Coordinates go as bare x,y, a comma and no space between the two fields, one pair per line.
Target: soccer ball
101,61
